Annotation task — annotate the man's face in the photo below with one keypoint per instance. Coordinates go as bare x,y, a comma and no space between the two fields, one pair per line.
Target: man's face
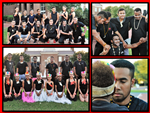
38,77
13,23
79,57
51,22
24,24
21,58
38,23
64,23
52,59
34,59
137,15
9,56
108,20
123,84
75,20
31,12
122,14
100,20
116,41
54,9
38,11
67,58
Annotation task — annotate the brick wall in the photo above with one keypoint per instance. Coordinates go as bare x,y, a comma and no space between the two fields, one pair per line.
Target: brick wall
8,9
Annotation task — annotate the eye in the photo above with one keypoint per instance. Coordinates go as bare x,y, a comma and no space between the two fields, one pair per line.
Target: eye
123,81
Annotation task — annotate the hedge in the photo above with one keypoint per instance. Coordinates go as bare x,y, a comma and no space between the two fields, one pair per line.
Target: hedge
8,18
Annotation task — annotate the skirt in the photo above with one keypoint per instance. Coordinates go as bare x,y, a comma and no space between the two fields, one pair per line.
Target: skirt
38,98
27,99
63,99
49,98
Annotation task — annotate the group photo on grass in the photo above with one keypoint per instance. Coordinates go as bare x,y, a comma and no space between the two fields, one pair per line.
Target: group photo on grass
46,23
119,29
63,79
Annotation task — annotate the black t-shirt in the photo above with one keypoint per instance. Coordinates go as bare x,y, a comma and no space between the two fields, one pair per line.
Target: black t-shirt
93,24
38,29
80,66
24,18
125,28
28,86
22,67
34,68
16,18
38,84
9,66
65,29
66,67
116,50
12,30
77,27
60,85
46,21
39,17
17,85
24,31
51,29
140,32
52,69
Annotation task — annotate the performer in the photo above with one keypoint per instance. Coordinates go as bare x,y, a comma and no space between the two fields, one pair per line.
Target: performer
65,67
60,96
64,15
17,87
79,66
7,87
27,93
52,68
12,33
24,16
17,17
50,32
38,88
83,87
77,31
24,33
55,16
102,91
45,20
65,32
30,19
37,31
71,15
49,87
9,65
139,30
34,67
124,74
71,86
38,16
22,67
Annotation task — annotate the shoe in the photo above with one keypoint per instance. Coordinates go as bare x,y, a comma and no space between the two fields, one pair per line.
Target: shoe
35,41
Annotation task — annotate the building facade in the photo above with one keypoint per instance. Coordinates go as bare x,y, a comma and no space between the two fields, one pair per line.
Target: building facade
96,8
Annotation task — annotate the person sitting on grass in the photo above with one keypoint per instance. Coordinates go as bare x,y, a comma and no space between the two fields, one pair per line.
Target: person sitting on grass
60,96
49,89
38,88
24,33
83,87
71,85
27,93
17,87
7,87
37,31
12,33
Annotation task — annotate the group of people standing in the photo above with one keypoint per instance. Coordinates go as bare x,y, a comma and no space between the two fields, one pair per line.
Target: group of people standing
57,27
30,87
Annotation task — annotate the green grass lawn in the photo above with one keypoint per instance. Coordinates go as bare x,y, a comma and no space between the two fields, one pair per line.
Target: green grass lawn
4,35
138,91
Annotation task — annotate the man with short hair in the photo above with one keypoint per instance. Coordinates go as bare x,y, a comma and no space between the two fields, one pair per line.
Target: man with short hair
38,16
124,74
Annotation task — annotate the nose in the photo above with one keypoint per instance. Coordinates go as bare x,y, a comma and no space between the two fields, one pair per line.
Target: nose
117,85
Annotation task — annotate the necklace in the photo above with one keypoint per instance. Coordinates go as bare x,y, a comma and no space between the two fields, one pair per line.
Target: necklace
114,50
64,28
52,67
35,65
105,33
51,26
66,63
38,30
75,27
137,25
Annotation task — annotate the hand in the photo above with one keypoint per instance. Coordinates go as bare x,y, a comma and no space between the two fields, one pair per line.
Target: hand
8,42
18,93
44,36
31,24
58,36
76,76
82,34
143,40
10,37
19,26
104,52
73,38
62,14
38,33
21,39
61,95
6,96
124,44
82,95
30,94
15,94
9,95
26,39
38,36
25,94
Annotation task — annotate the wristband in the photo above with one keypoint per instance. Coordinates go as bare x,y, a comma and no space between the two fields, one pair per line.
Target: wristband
104,45
14,93
10,93
86,94
74,93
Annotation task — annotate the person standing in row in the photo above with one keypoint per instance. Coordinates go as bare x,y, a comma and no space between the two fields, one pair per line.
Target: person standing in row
71,15
17,17
55,16
38,16
64,15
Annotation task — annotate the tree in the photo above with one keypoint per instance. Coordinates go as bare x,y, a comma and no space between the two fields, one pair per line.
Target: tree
108,8
141,71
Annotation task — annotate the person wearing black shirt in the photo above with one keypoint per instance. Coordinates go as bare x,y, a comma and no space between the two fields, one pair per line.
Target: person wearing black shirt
65,67
9,65
24,16
139,30
60,96
38,88
50,32
37,31
31,19
79,66
24,33
22,67
105,31
17,16
34,67
38,16
55,16
52,68
45,20
64,15
65,32
71,15
124,74
77,31
17,87
12,33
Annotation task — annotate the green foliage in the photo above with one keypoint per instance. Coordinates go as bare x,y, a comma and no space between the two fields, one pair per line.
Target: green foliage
141,71
114,10
8,18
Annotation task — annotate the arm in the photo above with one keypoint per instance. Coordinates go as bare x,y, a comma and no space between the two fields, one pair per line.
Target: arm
86,69
63,32
26,68
87,86
8,37
120,37
66,17
79,87
73,15
4,68
133,45
17,70
67,87
75,86
57,18
11,86
74,68
4,86
30,70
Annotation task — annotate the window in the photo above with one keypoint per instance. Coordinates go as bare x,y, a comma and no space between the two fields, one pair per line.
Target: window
43,8
58,69
38,59
99,9
60,59
95,9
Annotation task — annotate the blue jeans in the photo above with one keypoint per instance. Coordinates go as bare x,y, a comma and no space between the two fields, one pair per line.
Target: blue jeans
22,77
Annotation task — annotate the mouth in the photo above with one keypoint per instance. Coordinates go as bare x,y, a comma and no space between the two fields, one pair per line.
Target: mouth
117,94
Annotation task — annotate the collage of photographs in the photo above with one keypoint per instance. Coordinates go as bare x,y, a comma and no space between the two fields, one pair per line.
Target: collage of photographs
54,56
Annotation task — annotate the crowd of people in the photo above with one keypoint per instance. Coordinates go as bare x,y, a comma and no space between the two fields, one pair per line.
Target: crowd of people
112,34
39,27
26,82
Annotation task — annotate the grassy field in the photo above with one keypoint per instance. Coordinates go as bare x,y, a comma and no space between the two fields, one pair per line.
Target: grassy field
138,91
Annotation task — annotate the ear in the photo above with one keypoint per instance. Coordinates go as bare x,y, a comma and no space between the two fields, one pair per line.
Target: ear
111,41
132,82
117,14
